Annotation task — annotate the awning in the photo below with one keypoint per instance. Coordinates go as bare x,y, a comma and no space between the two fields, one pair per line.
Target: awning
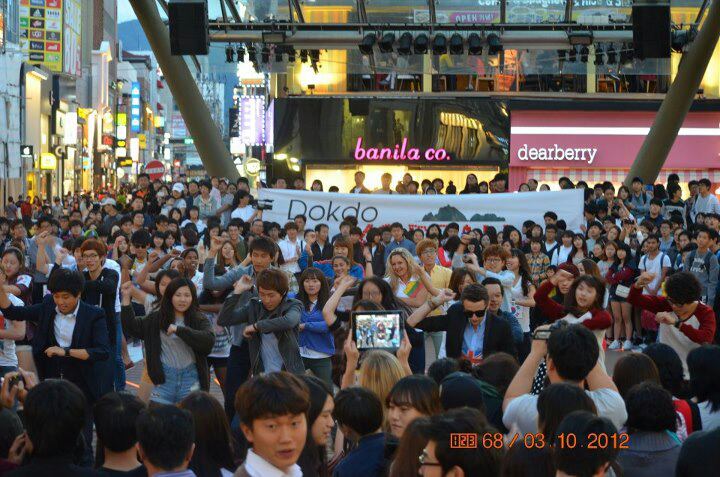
593,176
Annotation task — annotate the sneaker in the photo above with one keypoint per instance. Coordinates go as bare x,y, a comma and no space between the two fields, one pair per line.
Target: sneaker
628,345
615,345
641,347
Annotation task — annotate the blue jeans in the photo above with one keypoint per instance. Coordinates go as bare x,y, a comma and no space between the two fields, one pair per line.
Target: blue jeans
6,369
178,384
119,375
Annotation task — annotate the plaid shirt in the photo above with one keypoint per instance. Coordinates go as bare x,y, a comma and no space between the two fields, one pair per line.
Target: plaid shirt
538,267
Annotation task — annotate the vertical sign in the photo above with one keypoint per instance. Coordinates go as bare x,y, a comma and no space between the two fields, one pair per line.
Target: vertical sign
41,29
252,120
135,107
72,46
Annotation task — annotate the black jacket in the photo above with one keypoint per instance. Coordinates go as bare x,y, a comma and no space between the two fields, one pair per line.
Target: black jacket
147,328
498,334
56,466
324,254
90,334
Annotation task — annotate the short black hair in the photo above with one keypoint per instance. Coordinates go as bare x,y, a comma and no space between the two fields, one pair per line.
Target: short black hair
638,179
359,409
141,238
558,400
473,461
263,244
705,374
166,435
580,459
669,366
396,225
683,288
319,227
442,367
492,281
271,395
574,351
66,280
475,292
650,408
115,416
550,214
656,201
55,413
705,181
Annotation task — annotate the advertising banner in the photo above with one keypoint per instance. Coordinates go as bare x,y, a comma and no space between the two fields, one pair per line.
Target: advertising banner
41,30
606,139
72,45
376,210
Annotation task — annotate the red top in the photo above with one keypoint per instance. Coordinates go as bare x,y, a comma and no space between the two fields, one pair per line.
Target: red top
599,318
655,304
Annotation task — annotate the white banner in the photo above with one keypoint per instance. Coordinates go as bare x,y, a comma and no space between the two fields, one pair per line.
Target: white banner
419,211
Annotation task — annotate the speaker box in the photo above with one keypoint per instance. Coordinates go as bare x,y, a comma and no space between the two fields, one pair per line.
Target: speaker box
651,31
359,107
188,27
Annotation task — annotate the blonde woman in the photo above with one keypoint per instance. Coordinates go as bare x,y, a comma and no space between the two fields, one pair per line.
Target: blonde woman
412,287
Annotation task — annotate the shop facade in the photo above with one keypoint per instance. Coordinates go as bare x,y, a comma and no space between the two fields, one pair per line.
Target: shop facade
598,141
331,137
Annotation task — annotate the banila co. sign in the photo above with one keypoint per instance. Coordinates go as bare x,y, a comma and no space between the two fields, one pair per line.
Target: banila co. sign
401,152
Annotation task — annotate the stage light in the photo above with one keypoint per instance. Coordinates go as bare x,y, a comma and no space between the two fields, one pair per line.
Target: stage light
572,55
599,56
420,45
494,44
315,56
439,44
291,55
680,39
303,56
456,44
474,44
561,55
366,46
278,54
584,53
405,44
385,45
611,55
241,54
252,54
265,54
229,54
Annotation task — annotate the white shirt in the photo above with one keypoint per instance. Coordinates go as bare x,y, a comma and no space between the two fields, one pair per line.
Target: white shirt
200,225
256,466
521,414
197,279
654,265
64,325
289,251
243,213
710,420
678,341
560,255
113,265
8,357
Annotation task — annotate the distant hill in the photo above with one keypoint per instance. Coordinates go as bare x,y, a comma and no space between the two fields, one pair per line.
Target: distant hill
447,213
132,36
487,218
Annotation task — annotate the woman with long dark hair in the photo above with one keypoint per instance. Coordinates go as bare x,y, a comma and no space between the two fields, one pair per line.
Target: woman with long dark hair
471,185
213,455
178,339
316,341
620,278
313,460
522,291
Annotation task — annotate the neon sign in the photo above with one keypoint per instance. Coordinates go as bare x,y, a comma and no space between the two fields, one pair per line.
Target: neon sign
401,152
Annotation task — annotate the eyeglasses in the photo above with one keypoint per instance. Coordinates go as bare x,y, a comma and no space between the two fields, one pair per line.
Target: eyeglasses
470,314
430,251
423,460
90,256
674,303
493,259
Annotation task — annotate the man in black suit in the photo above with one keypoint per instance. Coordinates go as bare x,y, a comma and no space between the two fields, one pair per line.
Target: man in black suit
71,336
471,332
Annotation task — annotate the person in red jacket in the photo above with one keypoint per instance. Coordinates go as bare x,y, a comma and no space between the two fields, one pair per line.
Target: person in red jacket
583,304
685,323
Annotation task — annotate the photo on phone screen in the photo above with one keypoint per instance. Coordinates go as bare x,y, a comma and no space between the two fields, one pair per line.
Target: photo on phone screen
377,329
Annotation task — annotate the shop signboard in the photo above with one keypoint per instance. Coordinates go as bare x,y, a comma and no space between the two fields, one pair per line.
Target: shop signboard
452,132
26,152
124,161
72,46
377,210
607,139
41,32
135,107
251,113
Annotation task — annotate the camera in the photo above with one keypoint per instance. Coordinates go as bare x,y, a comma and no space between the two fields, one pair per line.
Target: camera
545,334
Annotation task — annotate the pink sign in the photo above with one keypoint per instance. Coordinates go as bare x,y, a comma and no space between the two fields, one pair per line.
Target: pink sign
401,152
607,139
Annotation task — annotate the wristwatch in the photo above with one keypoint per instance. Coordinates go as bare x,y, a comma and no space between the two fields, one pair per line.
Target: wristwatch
677,323
67,352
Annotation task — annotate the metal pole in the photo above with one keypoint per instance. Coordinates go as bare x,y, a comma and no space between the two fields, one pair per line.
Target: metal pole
209,143
678,101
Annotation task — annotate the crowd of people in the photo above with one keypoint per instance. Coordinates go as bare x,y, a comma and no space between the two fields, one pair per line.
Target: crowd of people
500,367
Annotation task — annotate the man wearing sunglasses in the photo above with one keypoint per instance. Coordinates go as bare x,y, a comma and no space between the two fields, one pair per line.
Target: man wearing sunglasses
471,332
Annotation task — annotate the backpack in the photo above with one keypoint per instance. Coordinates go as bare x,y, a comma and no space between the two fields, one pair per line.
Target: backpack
662,257
706,263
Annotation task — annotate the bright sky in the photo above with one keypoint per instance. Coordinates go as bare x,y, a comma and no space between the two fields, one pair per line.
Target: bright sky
125,11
